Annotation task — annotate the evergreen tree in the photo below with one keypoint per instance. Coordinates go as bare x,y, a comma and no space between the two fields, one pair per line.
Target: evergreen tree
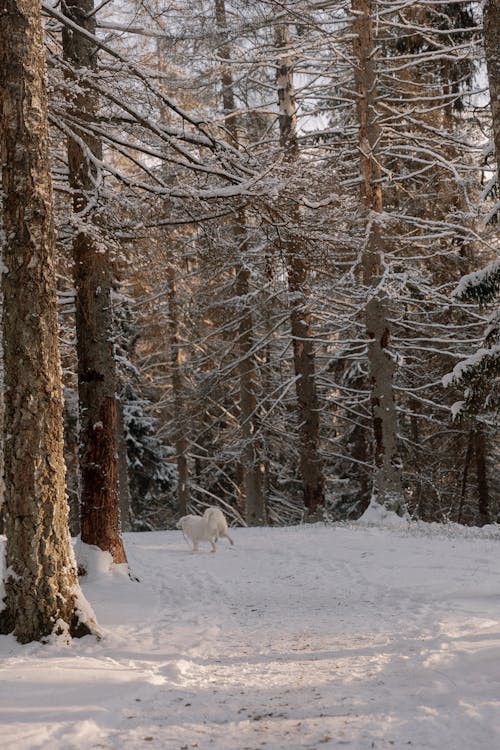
99,504
42,595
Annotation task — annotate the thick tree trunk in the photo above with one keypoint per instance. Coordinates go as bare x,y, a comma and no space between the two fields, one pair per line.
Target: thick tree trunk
491,29
311,468
251,460
41,583
388,490
97,382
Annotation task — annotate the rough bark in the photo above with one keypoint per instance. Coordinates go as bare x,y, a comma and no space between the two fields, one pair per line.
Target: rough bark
491,31
41,582
97,380
251,460
311,469
387,486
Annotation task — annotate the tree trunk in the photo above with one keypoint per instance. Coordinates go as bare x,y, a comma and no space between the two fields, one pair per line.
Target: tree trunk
482,476
70,432
311,468
97,381
180,416
418,502
224,53
41,583
387,486
251,463
465,474
252,473
491,30
125,501
177,361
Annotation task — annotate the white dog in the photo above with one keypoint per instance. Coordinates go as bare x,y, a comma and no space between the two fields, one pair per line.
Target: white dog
206,528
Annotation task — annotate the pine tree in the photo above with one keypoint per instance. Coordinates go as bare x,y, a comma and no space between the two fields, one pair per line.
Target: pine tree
479,374
250,458
97,382
42,595
388,487
295,252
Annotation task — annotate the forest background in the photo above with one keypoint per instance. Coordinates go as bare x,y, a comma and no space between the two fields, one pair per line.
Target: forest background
287,218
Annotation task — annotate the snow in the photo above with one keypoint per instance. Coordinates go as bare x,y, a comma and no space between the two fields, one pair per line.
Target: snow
369,635
471,362
476,278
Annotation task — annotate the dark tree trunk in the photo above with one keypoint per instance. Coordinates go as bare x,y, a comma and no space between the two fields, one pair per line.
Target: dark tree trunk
41,583
97,381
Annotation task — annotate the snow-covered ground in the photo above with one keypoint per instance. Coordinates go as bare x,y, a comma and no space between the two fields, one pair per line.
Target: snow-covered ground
307,637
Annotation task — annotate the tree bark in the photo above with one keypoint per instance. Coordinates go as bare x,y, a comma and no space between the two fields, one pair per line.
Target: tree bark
491,31
97,380
387,486
125,500
251,460
41,583
311,468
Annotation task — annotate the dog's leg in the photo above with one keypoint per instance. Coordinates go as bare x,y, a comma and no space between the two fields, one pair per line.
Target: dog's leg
212,542
228,537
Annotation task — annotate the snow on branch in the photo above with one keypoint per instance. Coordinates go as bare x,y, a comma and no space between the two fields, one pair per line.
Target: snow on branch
481,286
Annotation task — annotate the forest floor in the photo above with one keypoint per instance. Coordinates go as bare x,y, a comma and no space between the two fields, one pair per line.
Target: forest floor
357,636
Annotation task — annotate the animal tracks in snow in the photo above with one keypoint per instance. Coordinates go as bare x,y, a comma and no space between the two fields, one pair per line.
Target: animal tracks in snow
317,639
306,638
